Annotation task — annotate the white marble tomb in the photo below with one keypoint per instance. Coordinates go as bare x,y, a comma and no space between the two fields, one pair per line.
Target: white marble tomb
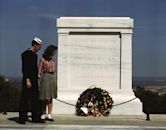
95,51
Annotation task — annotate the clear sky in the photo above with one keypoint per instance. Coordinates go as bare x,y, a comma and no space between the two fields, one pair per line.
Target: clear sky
21,20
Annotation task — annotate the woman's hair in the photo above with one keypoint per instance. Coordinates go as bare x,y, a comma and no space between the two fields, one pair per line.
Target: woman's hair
48,53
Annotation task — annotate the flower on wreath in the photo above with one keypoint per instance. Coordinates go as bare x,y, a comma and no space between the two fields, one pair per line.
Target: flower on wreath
95,102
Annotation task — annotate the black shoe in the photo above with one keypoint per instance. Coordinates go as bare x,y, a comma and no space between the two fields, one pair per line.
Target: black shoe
38,121
22,122
50,119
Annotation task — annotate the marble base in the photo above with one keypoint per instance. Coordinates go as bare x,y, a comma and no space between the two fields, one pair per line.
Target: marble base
133,107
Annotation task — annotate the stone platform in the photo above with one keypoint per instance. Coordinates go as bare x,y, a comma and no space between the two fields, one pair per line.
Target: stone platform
133,107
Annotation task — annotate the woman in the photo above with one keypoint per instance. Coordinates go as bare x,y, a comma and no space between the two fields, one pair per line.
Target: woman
48,84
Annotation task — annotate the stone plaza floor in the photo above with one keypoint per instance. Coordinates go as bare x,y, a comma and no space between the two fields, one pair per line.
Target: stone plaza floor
73,122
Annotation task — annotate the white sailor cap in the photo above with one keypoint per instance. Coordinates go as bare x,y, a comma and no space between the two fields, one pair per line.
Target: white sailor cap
38,40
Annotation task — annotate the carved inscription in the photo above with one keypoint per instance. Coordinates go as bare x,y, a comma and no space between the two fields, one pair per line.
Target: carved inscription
93,59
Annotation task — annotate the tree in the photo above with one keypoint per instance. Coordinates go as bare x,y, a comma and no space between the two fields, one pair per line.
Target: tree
9,96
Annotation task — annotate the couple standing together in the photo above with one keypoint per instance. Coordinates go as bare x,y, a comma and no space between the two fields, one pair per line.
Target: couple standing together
39,85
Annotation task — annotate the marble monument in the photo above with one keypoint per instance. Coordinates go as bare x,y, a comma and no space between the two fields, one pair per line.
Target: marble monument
95,52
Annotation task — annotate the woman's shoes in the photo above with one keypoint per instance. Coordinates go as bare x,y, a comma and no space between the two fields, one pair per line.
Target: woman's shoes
43,117
49,117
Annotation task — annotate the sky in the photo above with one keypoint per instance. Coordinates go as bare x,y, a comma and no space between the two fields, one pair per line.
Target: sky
22,20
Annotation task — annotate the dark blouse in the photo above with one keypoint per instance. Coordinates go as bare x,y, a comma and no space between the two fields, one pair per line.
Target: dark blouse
29,64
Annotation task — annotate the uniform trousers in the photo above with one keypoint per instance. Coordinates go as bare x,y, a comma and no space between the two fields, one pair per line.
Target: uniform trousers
30,100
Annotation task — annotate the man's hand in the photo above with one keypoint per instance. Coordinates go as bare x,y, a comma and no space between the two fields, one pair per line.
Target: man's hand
39,80
28,83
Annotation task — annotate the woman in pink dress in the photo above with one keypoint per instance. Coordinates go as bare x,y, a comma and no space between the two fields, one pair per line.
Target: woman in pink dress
48,82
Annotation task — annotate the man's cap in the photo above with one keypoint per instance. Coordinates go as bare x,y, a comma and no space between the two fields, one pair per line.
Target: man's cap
38,40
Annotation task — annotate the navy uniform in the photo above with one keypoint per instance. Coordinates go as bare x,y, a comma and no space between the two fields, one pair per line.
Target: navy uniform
29,71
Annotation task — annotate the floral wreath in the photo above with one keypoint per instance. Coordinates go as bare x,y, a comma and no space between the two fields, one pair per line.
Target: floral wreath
94,102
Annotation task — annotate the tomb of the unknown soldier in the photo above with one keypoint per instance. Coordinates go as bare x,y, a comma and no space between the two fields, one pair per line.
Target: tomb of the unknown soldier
95,52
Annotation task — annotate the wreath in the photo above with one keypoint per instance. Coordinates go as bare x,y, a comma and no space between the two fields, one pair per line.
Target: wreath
94,102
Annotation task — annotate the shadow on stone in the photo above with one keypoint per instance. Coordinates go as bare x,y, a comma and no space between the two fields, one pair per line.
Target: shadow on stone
14,119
